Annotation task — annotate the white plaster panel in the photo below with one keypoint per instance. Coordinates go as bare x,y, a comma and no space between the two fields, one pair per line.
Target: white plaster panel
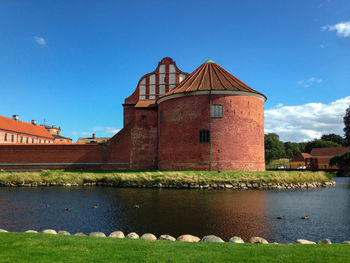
172,68
161,89
172,78
182,77
162,69
152,79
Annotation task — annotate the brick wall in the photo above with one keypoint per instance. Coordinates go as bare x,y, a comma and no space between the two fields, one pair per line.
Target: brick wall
144,139
79,154
237,139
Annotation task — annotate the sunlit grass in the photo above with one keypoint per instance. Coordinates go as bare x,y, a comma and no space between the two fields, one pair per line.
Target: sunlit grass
164,177
24,247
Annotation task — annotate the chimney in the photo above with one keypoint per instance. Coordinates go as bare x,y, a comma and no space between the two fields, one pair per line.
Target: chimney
34,122
15,117
93,136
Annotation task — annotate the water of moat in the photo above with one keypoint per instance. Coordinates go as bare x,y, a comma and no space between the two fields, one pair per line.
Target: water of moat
166,211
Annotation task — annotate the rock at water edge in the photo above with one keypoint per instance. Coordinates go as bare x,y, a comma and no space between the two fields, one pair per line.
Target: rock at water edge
325,241
97,234
167,237
31,231
258,240
80,234
132,235
236,240
63,232
305,242
49,231
188,238
212,238
117,234
148,236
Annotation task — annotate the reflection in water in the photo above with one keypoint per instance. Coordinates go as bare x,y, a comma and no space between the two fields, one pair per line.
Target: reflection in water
176,212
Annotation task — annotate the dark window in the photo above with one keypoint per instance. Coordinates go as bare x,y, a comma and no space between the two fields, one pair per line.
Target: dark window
216,111
161,116
12,138
204,136
144,117
5,137
27,140
32,140
57,132
39,140
21,139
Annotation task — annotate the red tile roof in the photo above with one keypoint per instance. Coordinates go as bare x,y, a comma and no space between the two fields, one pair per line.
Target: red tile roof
10,124
145,103
301,157
306,155
210,76
331,151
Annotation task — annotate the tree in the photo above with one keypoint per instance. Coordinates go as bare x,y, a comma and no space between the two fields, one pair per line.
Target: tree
343,161
332,137
347,126
291,149
274,148
317,143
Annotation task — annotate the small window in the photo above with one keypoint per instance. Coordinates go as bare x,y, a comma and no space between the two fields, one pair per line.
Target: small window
21,139
204,136
5,137
57,132
27,140
12,138
144,117
216,111
32,140
39,140
161,116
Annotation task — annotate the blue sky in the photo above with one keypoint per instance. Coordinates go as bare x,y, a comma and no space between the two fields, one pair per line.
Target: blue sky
73,63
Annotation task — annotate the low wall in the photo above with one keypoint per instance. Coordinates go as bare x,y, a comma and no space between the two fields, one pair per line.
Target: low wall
52,156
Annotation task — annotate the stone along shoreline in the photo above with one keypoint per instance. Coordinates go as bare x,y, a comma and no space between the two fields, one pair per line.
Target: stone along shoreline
234,186
181,238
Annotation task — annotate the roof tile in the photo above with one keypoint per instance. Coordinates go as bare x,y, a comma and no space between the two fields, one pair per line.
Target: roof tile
18,126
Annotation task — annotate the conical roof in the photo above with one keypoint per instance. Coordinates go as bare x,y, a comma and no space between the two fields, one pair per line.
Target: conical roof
211,77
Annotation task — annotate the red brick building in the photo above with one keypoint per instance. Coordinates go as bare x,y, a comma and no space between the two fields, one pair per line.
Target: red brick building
208,120
16,131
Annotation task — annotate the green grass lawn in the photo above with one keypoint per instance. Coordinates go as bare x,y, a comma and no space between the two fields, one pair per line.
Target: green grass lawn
25,247
166,177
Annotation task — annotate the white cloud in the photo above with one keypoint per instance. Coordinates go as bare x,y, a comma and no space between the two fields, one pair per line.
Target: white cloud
40,40
308,121
342,29
309,82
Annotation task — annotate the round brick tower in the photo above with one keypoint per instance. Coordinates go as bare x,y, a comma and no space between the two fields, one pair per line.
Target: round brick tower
211,121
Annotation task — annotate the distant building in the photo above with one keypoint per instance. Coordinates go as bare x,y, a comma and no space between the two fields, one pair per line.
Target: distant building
318,158
93,139
56,133
299,160
12,130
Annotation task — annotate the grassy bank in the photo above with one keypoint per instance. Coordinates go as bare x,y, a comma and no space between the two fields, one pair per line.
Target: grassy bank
166,177
25,247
